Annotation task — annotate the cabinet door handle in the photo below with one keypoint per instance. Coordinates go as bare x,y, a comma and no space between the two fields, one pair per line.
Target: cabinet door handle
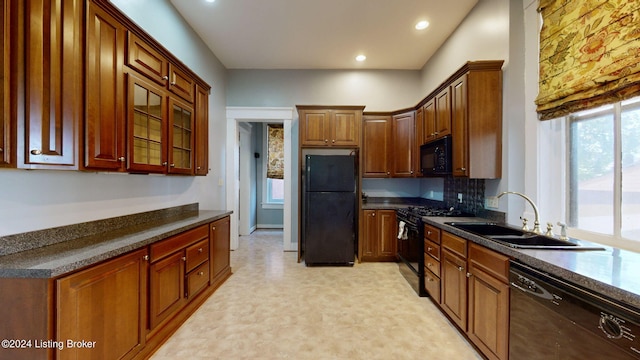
469,275
164,163
333,141
460,268
326,141
173,165
36,152
1,149
201,273
198,168
388,173
121,159
213,228
429,264
411,171
184,258
429,248
165,77
200,250
462,169
429,232
145,258
172,83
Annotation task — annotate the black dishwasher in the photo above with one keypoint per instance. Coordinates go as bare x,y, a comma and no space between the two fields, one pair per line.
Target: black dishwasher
553,319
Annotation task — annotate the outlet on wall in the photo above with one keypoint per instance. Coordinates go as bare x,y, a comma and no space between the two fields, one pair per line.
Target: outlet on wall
491,202
460,198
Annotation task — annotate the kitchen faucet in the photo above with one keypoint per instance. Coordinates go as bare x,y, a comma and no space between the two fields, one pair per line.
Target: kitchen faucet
536,223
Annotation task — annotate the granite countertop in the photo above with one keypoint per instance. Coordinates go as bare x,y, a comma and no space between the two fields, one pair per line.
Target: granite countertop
56,259
611,272
392,203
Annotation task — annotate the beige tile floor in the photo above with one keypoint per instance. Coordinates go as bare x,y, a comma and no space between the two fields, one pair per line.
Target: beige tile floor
275,308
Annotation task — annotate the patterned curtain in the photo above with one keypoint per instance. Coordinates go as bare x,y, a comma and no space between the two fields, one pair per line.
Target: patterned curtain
589,54
275,143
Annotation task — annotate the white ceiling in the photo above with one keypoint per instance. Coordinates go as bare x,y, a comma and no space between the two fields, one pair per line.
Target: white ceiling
323,34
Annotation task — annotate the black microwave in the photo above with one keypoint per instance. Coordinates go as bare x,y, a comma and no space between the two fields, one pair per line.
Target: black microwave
435,157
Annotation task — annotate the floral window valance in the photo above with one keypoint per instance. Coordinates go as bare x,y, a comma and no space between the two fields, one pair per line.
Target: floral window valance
275,146
589,54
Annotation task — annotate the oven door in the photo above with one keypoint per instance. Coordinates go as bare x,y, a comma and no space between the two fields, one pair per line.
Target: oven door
410,254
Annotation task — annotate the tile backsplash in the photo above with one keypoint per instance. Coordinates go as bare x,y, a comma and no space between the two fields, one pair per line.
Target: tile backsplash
472,191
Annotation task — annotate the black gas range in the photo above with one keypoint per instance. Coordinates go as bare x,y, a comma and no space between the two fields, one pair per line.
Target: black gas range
411,241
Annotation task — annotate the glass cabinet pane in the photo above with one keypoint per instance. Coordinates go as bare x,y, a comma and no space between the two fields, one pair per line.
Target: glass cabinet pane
147,127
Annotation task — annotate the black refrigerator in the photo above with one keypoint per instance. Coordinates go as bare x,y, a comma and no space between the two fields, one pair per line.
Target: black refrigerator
329,209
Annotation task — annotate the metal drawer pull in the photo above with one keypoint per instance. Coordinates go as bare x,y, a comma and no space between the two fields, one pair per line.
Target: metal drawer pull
184,258
200,250
201,273
36,152
460,268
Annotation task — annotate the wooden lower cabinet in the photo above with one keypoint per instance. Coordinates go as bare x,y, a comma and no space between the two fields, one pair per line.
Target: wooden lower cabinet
432,256
122,308
104,308
488,326
379,236
166,280
220,263
475,293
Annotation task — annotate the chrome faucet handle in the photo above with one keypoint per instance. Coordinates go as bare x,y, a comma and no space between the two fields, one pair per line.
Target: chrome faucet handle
563,230
549,230
525,227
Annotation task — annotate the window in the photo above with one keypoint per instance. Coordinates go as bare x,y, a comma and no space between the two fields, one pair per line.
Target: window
273,189
604,170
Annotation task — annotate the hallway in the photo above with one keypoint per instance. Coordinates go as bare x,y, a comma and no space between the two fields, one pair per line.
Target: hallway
274,308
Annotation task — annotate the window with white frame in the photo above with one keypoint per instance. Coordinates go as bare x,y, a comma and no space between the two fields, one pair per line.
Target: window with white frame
603,194
273,189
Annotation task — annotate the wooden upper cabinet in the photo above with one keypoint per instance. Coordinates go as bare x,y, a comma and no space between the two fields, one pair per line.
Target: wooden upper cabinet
314,127
330,126
181,137
53,70
150,62
180,83
107,304
147,126
202,131
442,124
403,138
477,121
7,103
345,127
105,121
437,115
147,61
376,146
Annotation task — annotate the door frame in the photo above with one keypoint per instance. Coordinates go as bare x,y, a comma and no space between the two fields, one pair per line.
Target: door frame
235,115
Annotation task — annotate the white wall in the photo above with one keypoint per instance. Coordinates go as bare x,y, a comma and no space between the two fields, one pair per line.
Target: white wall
39,199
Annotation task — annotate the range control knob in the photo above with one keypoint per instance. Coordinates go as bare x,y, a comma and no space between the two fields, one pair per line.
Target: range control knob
610,326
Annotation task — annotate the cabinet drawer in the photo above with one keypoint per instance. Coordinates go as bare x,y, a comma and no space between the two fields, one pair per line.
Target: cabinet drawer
197,280
432,265
432,233
489,261
432,249
455,244
178,242
432,284
197,254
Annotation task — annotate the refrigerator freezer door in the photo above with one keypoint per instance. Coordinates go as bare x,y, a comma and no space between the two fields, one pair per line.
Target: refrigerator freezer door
329,230
330,173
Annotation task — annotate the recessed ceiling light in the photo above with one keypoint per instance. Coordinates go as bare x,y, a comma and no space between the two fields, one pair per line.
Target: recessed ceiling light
361,58
210,1
421,25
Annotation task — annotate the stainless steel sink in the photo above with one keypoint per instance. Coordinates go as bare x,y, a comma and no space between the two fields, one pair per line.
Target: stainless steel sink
520,239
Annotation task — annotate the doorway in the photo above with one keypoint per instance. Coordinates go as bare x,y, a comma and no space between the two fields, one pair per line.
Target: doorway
235,116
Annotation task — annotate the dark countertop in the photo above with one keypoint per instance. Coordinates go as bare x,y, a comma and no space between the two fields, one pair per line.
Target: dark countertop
66,256
392,203
611,272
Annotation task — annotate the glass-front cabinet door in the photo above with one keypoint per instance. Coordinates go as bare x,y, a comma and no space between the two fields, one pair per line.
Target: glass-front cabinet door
147,127
181,137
